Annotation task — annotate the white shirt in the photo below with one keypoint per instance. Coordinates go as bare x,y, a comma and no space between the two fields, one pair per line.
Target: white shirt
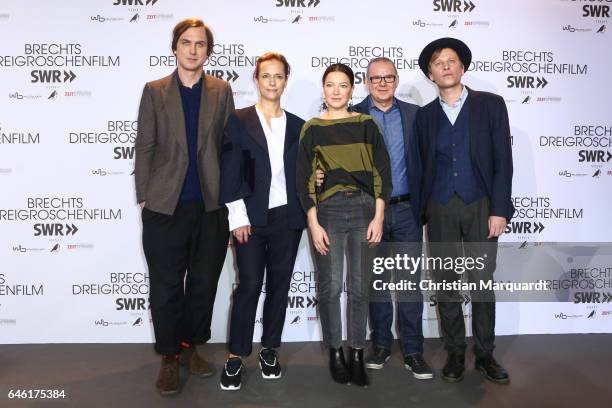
275,138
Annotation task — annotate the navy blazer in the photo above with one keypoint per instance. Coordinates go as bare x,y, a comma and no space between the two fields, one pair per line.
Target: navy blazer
245,166
413,168
490,148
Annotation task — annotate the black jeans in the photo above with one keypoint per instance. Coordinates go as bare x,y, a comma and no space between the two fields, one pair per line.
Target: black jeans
185,254
345,217
451,224
272,249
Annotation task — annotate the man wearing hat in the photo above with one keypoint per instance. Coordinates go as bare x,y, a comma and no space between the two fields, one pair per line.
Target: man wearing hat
463,142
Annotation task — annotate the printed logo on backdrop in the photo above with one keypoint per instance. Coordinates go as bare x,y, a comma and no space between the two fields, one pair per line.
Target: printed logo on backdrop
534,214
592,17
14,288
302,301
9,136
127,294
358,57
530,73
228,62
459,13
59,221
592,145
116,139
300,11
56,67
584,282
130,11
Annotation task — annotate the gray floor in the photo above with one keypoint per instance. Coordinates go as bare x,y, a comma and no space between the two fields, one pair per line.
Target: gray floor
546,370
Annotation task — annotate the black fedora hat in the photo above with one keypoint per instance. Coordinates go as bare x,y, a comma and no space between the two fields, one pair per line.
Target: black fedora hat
465,55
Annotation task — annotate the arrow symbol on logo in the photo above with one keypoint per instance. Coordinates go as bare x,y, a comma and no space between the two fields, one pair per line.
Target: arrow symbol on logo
69,76
468,6
231,77
609,156
151,2
538,227
311,302
467,299
606,297
313,3
71,229
541,82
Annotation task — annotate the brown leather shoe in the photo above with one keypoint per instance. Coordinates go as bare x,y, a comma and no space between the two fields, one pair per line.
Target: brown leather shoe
196,365
168,379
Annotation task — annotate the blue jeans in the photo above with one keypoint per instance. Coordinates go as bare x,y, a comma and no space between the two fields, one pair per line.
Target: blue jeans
400,226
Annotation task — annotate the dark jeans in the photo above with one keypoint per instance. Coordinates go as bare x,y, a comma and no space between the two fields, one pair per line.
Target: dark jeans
400,226
271,249
451,224
345,217
185,254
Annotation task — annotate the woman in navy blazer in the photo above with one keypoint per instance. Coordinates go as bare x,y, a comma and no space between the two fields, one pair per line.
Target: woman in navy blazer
258,162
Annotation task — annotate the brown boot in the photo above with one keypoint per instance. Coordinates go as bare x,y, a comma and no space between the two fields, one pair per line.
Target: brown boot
168,379
196,365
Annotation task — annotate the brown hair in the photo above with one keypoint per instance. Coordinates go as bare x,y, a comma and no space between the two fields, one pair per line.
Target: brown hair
436,54
185,25
269,56
345,69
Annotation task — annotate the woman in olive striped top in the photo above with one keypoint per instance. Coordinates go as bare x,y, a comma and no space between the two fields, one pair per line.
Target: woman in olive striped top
346,211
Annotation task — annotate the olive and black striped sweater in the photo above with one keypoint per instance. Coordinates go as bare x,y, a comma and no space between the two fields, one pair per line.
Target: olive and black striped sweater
352,153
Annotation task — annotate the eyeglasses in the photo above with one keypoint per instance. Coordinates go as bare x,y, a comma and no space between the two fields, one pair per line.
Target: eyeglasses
389,79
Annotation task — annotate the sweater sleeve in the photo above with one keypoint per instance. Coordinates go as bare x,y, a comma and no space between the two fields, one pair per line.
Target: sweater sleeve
233,180
382,164
305,169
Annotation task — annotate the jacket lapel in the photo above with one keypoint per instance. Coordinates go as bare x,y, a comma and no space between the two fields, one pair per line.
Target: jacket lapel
407,131
292,134
174,107
473,123
208,109
433,123
255,129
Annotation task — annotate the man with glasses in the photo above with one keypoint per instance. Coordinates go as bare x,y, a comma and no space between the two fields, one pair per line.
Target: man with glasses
402,224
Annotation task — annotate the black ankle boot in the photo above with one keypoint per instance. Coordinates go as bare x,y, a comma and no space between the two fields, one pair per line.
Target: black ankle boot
359,377
337,366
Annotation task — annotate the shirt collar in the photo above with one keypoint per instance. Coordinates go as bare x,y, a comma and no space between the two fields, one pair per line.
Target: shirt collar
394,104
197,86
460,100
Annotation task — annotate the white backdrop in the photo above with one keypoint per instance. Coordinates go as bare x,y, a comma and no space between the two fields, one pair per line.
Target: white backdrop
72,72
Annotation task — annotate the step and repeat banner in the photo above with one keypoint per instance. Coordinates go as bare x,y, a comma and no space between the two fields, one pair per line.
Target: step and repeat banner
72,72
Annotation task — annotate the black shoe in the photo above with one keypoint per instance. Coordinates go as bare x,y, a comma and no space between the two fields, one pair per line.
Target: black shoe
359,377
419,367
268,362
231,377
492,370
454,369
377,358
337,366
